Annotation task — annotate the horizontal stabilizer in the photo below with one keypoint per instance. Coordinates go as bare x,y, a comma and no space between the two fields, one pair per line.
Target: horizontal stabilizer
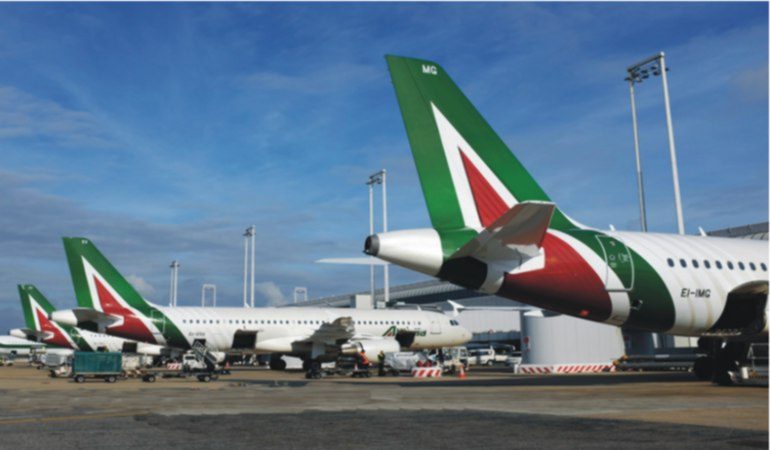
29,334
356,261
521,228
89,319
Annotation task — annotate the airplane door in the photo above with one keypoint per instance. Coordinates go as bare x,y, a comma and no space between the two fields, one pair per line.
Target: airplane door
618,261
435,326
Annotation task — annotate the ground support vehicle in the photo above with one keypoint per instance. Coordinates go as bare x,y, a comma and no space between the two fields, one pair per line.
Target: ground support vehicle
107,366
198,362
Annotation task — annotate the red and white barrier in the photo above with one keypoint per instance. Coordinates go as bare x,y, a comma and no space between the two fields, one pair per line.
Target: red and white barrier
174,366
533,369
426,372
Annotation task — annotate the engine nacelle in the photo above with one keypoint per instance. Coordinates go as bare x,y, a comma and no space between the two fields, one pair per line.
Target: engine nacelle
418,249
372,348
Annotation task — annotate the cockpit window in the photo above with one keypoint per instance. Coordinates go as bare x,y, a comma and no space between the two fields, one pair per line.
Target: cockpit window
454,323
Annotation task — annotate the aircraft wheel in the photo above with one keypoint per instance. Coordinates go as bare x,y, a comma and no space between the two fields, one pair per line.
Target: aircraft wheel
277,364
703,368
725,362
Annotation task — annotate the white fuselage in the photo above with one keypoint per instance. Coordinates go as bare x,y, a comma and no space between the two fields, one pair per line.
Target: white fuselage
278,328
699,290
11,345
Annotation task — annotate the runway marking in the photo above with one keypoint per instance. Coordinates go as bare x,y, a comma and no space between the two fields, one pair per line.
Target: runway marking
96,415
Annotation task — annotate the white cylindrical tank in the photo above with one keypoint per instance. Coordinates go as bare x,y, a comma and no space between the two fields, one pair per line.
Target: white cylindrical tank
555,339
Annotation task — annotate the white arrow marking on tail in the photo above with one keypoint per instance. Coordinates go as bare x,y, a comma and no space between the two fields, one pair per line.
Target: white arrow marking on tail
453,142
91,275
35,307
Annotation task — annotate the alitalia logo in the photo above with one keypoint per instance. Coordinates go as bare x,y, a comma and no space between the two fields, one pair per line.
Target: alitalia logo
130,322
54,334
392,332
481,194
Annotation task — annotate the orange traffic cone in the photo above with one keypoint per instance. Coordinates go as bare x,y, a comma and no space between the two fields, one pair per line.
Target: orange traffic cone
462,374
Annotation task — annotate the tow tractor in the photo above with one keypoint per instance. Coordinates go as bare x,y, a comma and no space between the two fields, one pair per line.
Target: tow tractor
199,362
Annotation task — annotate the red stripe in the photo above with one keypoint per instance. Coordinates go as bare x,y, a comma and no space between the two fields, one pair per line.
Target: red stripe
579,288
46,326
132,327
488,202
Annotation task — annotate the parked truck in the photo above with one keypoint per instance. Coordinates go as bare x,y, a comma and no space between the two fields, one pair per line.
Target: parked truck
105,365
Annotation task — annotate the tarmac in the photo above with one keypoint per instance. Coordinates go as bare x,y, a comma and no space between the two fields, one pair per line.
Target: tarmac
492,408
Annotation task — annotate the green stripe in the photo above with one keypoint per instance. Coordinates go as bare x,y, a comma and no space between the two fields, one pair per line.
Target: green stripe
416,91
655,311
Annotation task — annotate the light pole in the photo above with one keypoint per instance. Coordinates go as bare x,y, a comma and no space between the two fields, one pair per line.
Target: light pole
174,281
249,238
638,72
300,292
639,180
213,289
381,179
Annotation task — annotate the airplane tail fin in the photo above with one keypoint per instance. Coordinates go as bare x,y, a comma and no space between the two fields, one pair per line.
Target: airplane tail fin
99,286
468,175
32,301
37,310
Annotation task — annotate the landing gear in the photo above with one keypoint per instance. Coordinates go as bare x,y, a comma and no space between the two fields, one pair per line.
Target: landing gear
727,360
703,368
312,369
723,360
276,363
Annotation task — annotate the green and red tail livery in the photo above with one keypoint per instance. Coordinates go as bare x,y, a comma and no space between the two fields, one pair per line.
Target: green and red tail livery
496,230
98,285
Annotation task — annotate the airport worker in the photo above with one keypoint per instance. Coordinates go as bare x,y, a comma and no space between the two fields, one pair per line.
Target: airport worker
381,364
364,359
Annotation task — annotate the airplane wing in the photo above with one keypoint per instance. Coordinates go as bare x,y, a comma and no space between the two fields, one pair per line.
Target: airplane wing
365,261
521,228
341,329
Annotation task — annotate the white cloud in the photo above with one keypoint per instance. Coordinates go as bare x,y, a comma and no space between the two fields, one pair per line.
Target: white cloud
25,116
271,292
140,285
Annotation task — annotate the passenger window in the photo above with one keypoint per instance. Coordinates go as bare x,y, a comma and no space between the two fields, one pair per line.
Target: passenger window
763,266
683,263
670,262
753,267
695,263
719,264
706,264
740,264
730,265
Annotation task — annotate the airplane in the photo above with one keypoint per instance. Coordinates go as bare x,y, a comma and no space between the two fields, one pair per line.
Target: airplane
495,230
109,303
40,328
14,346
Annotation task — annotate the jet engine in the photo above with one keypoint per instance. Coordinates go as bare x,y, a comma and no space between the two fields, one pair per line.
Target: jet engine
371,347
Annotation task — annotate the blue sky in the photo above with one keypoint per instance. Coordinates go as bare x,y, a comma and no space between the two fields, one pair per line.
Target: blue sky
161,131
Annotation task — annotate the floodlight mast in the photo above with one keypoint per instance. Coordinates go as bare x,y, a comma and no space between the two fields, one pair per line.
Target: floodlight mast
174,282
636,74
639,179
379,178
